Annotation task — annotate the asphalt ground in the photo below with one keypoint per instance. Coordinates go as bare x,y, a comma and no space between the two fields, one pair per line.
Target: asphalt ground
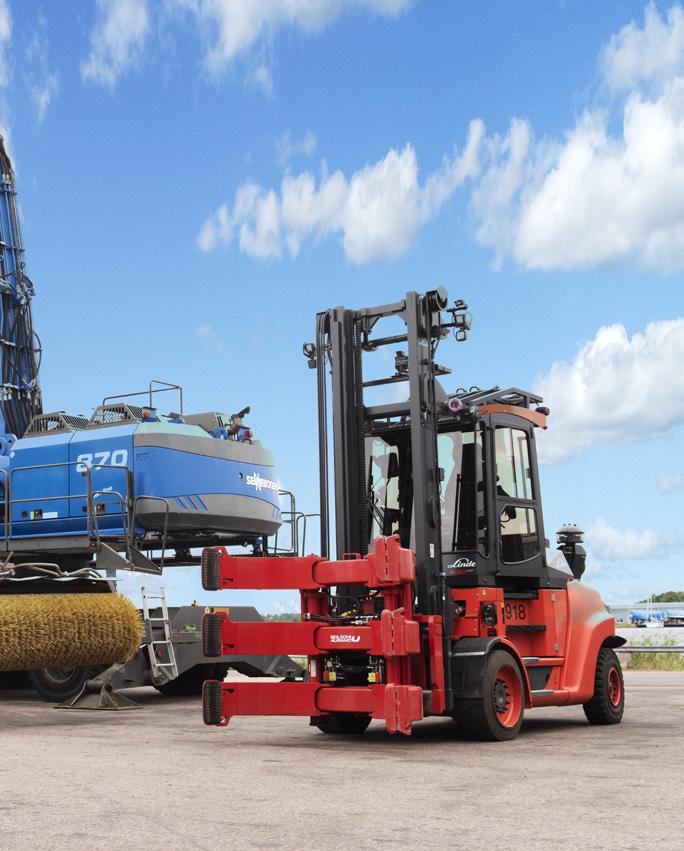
157,778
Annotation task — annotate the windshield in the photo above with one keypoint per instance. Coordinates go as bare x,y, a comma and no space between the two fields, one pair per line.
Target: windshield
462,495
464,519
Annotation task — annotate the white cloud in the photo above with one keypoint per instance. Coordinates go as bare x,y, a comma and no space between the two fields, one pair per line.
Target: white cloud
594,195
42,95
209,337
42,84
260,77
603,395
5,39
288,148
117,40
233,27
376,212
612,544
670,482
656,51
593,198
216,229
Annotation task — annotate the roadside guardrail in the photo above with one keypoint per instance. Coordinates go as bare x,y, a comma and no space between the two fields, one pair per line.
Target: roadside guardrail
649,648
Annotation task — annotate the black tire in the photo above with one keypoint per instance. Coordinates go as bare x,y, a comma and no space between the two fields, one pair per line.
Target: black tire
608,703
498,715
59,684
343,723
14,681
190,682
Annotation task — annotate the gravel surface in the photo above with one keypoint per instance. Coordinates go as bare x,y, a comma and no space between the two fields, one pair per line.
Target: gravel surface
157,778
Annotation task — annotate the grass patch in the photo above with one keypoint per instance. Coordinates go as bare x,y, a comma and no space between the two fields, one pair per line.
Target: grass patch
656,661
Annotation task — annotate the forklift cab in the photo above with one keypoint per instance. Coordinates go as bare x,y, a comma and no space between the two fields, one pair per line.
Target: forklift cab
490,518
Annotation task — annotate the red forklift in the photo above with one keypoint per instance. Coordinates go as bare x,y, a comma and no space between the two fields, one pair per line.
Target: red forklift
444,598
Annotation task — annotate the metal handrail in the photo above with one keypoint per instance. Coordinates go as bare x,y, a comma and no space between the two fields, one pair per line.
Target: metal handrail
166,386
120,501
6,475
88,496
12,500
129,488
293,524
305,517
292,514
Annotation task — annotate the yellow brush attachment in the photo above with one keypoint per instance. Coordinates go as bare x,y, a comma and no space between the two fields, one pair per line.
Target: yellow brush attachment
67,630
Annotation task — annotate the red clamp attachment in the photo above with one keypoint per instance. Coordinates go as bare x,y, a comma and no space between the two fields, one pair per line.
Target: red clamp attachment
389,564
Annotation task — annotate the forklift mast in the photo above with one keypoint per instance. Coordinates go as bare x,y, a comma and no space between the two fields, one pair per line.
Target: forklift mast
457,461
342,339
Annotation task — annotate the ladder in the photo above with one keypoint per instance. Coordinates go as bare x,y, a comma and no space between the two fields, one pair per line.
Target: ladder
163,666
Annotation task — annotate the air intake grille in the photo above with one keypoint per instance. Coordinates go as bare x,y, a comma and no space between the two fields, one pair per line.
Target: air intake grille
116,414
55,422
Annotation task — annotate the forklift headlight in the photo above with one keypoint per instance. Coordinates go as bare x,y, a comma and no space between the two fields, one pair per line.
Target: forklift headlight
489,614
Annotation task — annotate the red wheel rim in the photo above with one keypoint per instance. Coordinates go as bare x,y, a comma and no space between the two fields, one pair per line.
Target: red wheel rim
507,696
614,686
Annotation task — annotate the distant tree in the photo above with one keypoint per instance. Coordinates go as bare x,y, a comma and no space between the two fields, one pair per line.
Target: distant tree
666,597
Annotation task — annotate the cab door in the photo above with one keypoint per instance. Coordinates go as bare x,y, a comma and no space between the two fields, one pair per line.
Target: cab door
516,501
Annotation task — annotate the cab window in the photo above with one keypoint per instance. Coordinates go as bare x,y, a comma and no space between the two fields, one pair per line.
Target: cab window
513,474
383,487
462,494
519,537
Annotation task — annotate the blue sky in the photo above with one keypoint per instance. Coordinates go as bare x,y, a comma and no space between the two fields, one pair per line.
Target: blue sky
198,177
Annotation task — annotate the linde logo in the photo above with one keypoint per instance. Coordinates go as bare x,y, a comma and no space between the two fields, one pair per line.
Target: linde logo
462,564
346,638
256,481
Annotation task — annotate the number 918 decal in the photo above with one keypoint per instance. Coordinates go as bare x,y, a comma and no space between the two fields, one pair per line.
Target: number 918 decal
115,458
515,611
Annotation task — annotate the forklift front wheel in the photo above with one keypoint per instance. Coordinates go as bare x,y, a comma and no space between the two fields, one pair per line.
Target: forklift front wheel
608,702
498,714
343,723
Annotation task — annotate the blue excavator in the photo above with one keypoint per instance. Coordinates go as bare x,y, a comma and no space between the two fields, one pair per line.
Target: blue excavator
127,489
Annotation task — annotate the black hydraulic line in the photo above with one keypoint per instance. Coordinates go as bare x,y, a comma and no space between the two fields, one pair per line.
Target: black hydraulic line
361,438
20,399
324,499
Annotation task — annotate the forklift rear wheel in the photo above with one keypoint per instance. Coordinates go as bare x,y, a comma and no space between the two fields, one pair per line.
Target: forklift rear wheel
608,702
59,684
498,714
343,723
190,682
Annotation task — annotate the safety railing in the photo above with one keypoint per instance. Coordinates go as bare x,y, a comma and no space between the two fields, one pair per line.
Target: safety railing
3,473
649,648
92,528
124,501
304,518
150,393
297,523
